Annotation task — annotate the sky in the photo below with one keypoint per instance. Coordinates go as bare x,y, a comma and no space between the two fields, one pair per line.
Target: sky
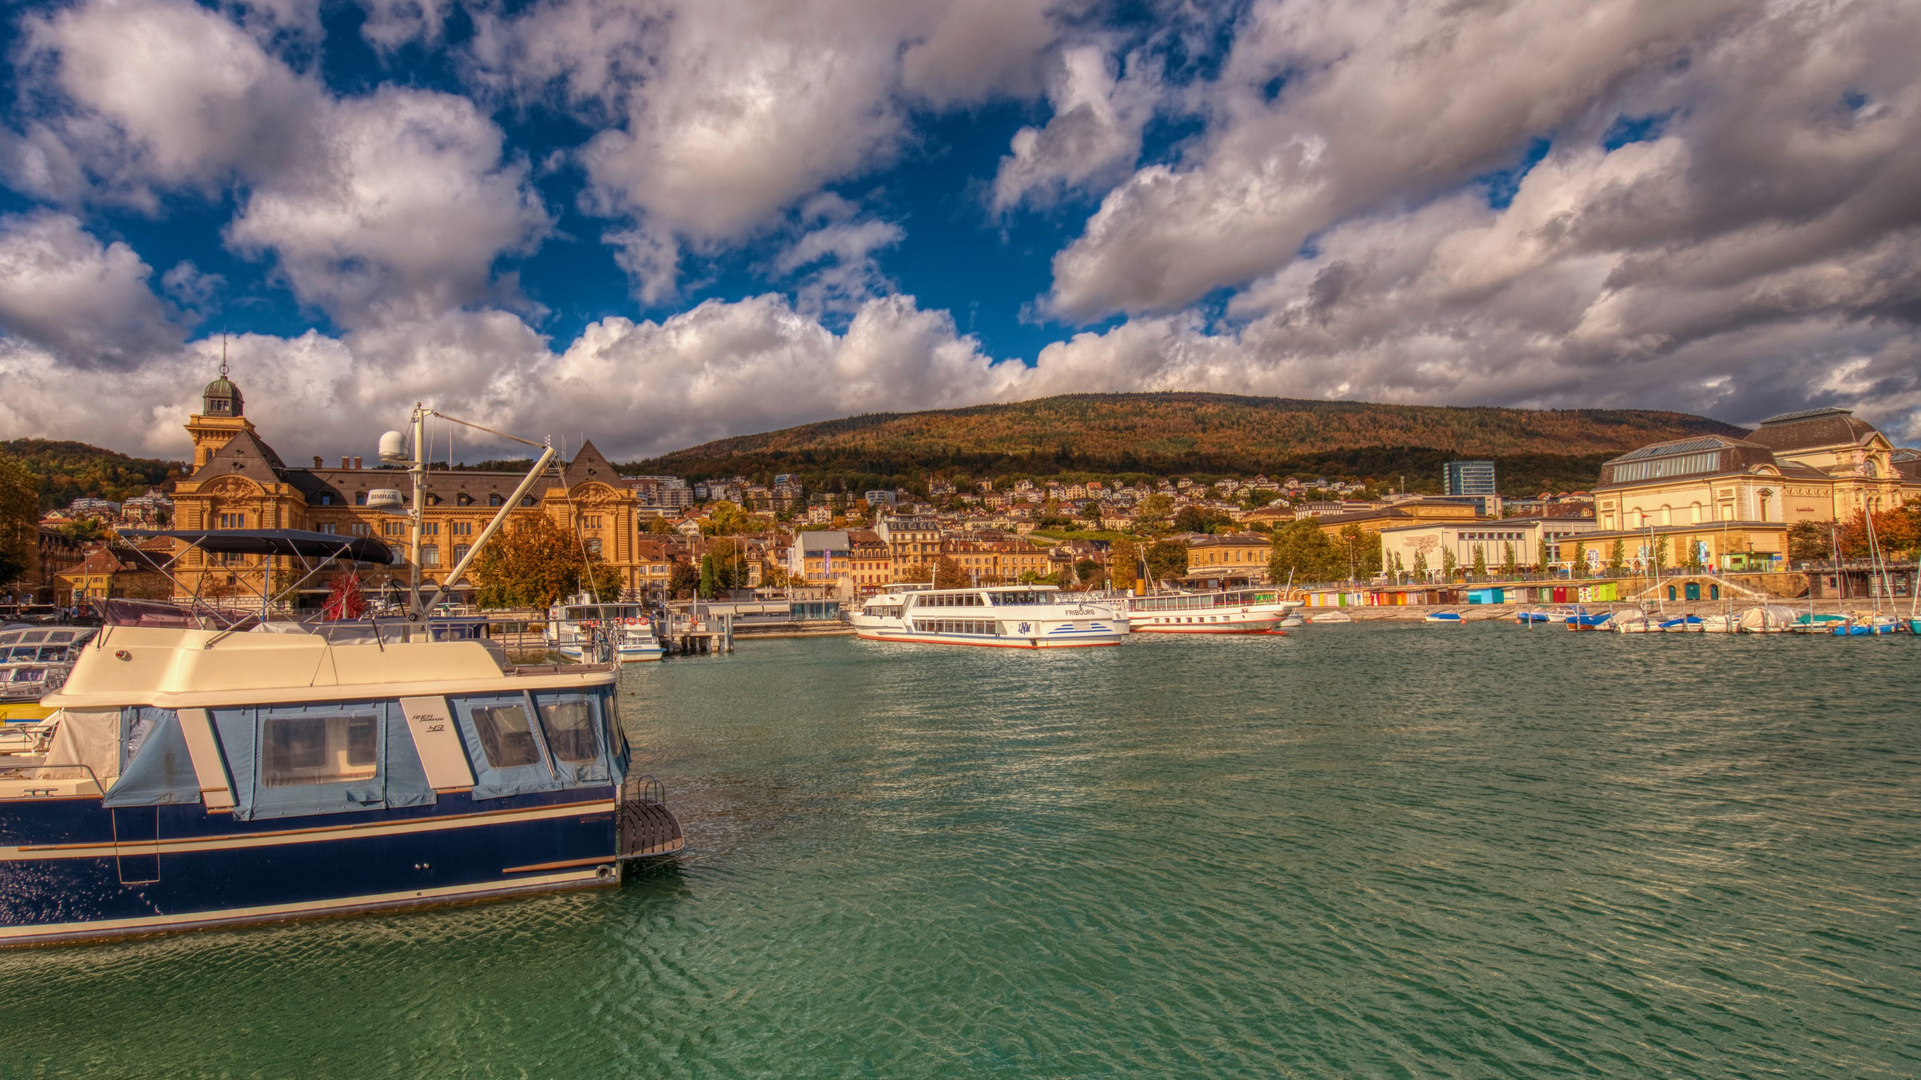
656,223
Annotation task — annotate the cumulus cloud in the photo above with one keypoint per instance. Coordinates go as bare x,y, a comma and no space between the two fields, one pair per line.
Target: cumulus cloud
389,205
85,303
720,117
1094,136
835,255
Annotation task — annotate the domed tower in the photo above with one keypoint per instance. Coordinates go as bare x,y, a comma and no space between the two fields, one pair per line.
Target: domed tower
219,418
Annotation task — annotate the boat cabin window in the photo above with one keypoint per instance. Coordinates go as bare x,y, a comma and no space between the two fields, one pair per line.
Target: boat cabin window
569,727
318,749
505,735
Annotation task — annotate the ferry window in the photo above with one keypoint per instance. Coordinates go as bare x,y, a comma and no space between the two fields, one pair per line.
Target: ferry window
569,727
506,736
318,749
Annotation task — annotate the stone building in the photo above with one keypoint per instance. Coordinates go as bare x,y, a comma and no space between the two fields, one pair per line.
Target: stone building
1818,465
239,482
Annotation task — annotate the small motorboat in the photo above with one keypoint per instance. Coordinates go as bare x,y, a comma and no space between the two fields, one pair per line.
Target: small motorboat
1444,618
1864,625
1540,615
1583,619
1635,622
1685,624
1720,624
1327,617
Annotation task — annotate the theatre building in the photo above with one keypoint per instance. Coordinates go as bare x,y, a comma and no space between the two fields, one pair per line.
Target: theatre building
239,482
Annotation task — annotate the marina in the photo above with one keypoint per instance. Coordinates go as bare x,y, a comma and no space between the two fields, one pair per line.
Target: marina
1140,861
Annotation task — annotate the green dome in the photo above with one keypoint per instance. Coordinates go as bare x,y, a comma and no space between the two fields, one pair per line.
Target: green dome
223,391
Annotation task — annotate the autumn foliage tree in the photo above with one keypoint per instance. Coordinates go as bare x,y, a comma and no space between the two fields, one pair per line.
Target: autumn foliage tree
534,562
1120,560
19,518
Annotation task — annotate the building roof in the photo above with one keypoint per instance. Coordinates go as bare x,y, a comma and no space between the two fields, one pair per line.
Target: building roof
1230,540
1811,429
1696,455
824,540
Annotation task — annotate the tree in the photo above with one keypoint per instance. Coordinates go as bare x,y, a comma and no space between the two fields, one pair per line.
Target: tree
1121,560
1447,563
1300,550
1617,557
83,531
726,519
1540,556
1660,554
1420,565
949,575
1360,550
730,564
1088,573
1580,558
1509,563
682,579
1480,562
1167,559
660,526
1150,514
19,519
534,562
708,586
1199,519
1808,541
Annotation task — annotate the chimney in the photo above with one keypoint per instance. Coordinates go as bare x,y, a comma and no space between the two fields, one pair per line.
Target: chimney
346,462
317,462
356,463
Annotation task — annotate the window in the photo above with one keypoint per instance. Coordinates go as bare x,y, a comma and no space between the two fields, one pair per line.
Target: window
393,528
433,500
318,749
526,500
463,499
233,521
461,528
593,546
326,500
360,528
505,737
329,528
569,727
430,556
430,528
460,551
494,500
360,498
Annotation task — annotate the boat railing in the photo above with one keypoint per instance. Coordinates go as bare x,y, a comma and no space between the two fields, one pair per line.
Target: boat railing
647,827
41,781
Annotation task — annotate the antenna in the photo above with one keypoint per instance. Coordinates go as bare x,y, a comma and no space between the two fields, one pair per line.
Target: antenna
223,354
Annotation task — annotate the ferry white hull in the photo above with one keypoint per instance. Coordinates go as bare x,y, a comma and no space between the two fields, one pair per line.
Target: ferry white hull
629,653
1078,639
1255,623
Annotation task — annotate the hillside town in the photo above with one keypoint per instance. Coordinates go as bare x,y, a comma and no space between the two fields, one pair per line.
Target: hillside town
1709,504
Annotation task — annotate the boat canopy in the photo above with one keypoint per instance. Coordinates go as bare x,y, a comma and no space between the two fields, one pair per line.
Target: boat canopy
289,542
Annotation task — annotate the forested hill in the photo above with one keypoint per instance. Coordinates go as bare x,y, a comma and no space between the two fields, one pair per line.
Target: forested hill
1170,433
70,470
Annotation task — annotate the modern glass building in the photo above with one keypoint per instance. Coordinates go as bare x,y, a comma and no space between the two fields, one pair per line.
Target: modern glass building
1470,478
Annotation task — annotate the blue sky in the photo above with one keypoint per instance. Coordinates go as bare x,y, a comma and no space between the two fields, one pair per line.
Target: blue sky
657,223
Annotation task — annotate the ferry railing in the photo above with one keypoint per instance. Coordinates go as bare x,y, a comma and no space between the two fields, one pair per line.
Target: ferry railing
647,827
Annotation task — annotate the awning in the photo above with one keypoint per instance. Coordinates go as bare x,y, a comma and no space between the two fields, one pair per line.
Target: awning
289,542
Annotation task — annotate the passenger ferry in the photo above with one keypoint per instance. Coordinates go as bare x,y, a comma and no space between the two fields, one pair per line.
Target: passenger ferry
1008,616
1238,611
575,629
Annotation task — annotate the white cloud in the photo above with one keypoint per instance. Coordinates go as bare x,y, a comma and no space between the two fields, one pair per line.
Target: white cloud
717,118
1094,136
1383,102
84,302
390,205
405,214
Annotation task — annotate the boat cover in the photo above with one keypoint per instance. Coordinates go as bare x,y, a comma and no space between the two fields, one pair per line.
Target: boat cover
160,771
398,780
289,542
89,737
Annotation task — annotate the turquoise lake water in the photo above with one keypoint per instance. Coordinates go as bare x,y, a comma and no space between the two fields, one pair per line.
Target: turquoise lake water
1357,851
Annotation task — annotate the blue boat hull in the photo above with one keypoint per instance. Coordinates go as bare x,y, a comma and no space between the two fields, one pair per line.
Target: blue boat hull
73,869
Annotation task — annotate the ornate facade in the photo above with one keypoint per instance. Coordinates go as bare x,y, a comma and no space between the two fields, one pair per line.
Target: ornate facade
1818,465
239,482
